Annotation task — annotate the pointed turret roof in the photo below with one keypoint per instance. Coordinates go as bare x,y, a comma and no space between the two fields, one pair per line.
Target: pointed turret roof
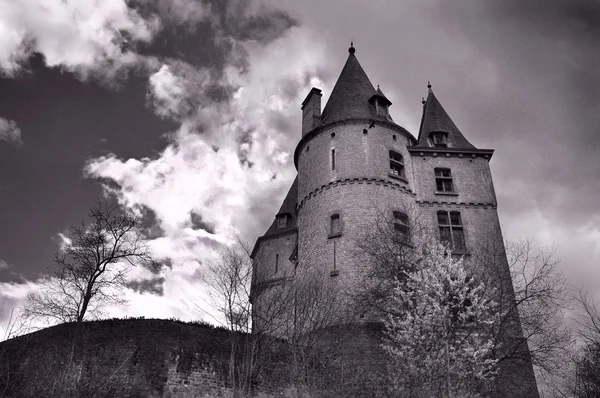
351,94
435,118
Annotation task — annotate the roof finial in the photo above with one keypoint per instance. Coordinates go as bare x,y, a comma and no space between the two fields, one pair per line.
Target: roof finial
378,87
423,100
351,50
429,86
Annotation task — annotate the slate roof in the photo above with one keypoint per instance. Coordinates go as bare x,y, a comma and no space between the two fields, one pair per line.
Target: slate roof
351,94
435,118
288,207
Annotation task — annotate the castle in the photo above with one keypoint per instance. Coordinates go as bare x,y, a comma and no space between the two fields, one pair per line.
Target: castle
354,162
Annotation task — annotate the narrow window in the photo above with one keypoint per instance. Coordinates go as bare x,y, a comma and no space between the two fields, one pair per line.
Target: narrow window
335,225
333,159
451,230
401,224
439,139
396,164
443,180
276,263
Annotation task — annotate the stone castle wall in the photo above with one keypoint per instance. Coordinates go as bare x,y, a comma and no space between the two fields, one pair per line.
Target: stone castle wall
163,358
117,358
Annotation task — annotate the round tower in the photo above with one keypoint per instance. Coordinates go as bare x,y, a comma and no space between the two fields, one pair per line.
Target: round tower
353,166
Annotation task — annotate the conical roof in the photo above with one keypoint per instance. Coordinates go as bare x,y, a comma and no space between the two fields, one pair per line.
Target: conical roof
435,118
351,94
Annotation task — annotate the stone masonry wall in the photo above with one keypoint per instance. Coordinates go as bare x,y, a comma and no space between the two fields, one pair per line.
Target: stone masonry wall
357,155
117,358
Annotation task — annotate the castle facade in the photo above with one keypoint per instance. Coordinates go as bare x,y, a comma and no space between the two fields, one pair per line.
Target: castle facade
355,163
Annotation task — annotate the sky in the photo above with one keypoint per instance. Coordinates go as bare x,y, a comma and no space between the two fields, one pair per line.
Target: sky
188,111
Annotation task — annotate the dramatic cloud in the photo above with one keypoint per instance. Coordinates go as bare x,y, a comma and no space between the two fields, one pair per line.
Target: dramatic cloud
9,132
521,78
230,162
85,37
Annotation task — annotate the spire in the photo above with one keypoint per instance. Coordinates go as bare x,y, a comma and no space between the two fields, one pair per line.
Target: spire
435,119
351,94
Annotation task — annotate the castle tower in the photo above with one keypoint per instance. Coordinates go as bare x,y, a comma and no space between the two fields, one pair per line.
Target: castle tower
355,163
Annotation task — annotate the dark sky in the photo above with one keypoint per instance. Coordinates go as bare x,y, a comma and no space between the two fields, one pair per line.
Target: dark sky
191,110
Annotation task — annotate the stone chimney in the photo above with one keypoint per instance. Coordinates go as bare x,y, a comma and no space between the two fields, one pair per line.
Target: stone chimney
311,111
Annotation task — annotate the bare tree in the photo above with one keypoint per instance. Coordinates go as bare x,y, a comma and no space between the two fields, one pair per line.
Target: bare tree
586,382
534,296
290,316
90,268
229,278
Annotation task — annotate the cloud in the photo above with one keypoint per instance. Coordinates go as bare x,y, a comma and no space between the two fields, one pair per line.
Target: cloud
185,12
4,265
9,132
89,38
12,295
223,151
227,166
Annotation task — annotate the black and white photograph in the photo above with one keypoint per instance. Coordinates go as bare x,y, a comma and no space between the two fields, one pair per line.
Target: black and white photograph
298,199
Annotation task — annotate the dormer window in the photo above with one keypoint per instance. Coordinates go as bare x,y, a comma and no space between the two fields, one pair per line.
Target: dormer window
282,220
381,107
439,139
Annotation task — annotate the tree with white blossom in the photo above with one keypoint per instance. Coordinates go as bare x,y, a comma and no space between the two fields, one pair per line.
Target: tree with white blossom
438,335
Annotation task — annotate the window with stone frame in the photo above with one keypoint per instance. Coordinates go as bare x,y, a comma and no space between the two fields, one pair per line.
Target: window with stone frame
335,225
451,230
396,164
443,180
401,224
439,139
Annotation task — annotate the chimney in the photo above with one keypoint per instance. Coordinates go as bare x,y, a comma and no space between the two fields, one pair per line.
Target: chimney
311,110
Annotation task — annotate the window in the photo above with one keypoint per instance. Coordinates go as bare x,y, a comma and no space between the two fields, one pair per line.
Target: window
276,263
396,164
443,180
439,139
381,107
333,159
282,221
401,224
335,225
451,230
